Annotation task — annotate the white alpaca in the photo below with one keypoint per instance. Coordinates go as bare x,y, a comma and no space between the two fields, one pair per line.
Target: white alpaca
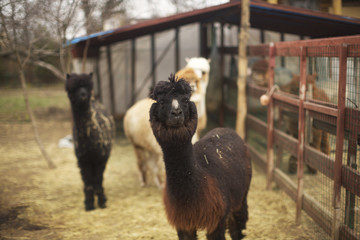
196,72
137,126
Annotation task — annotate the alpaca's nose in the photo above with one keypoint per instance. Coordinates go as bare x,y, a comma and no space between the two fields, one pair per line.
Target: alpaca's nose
176,112
83,93
175,108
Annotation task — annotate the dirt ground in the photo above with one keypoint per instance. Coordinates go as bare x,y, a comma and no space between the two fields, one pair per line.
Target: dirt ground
41,203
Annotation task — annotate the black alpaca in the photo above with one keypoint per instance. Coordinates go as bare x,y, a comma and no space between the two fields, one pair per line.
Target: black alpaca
206,183
93,131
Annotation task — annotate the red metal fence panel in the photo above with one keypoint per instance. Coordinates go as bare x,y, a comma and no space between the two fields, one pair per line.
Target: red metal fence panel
312,144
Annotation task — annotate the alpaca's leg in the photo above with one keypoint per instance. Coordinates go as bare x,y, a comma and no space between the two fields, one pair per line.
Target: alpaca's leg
142,166
153,163
317,137
237,222
293,131
219,232
99,190
316,143
87,177
325,145
187,235
292,165
161,170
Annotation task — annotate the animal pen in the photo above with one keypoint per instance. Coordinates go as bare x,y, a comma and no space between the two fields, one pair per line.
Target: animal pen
316,131
326,184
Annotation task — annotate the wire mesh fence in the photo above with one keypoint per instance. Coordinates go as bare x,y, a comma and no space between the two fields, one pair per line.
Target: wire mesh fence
312,123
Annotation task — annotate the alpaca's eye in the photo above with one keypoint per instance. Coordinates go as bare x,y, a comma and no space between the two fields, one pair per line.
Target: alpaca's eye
203,73
161,102
186,100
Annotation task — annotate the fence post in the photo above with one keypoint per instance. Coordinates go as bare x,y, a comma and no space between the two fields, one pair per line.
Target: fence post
340,125
270,121
301,135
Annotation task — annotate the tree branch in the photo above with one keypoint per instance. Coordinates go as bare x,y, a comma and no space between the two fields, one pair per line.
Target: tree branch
51,68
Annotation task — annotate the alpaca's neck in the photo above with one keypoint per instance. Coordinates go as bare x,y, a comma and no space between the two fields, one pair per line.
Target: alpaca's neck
181,172
81,116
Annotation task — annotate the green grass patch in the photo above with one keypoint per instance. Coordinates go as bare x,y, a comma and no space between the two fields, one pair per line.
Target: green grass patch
13,101
13,107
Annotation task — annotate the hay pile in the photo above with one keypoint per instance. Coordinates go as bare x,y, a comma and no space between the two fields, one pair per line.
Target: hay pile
38,203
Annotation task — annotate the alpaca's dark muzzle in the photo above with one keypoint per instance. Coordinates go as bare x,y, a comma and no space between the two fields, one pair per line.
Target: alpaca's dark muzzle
176,116
83,94
176,121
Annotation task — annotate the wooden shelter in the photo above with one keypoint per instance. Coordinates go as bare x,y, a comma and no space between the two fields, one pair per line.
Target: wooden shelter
111,50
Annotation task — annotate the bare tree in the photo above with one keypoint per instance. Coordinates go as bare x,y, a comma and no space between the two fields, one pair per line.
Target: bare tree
19,40
40,28
96,12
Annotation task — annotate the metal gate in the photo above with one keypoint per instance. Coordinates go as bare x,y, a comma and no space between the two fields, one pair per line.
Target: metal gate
307,138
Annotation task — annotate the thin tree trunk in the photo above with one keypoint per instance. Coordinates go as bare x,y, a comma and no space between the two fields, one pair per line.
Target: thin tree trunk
33,120
21,64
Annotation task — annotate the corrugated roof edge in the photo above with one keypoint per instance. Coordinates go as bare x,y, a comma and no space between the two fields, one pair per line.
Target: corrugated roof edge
314,16
83,38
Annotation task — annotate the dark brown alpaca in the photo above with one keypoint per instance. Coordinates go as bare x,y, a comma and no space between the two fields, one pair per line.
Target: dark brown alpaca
206,183
93,131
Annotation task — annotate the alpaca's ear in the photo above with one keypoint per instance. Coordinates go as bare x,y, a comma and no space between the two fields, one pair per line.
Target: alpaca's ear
187,59
67,76
91,74
209,60
152,94
193,111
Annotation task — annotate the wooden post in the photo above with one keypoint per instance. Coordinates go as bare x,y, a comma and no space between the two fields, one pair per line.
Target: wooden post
282,39
337,7
242,66
203,40
153,60
111,78
177,50
222,73
262,36
351,162
352,145
301,135
98,79
270,122
133,70
340,129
